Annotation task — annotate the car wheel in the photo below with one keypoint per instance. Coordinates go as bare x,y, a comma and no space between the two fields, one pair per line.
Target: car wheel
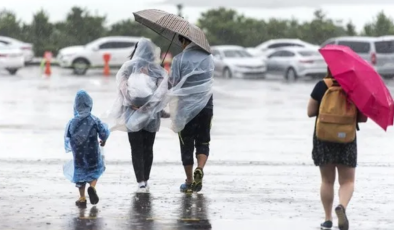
12,71
291,75
80,66
227,73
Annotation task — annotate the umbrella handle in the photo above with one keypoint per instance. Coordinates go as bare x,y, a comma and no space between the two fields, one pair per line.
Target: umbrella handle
165,55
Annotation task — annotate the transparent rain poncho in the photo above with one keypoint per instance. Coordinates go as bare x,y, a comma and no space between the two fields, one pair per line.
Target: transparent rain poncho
142,88
81,138
192,82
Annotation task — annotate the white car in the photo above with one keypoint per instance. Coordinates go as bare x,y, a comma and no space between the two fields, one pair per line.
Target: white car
26,48
266,48
11,58
235,61
295,62
81,58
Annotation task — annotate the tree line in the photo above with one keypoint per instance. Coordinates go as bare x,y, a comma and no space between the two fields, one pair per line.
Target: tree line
222,26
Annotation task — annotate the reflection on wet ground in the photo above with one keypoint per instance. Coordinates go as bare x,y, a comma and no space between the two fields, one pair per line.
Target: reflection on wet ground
192,214
260,173
87,220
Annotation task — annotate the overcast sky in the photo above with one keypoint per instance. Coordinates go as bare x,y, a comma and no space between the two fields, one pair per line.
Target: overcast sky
277,3
116,10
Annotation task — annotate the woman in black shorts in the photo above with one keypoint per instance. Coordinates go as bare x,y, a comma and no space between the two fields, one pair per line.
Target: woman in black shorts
329,157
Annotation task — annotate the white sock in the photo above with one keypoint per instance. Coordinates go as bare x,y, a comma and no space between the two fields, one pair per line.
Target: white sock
140,184
146,183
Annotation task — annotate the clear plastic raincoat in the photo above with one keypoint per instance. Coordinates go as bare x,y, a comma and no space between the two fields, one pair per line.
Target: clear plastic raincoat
142,88
191,81
81,138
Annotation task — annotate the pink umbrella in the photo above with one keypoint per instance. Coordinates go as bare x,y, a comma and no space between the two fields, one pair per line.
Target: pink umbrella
361,82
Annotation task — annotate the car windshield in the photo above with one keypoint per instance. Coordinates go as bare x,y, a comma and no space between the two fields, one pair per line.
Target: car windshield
94,42
236,54
309,53
356,46
384,47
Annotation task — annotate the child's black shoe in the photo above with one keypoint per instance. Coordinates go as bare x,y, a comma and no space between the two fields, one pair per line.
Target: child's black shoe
94,199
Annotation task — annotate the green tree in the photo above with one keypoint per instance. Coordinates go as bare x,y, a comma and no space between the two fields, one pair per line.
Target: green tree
222,26
351,29
132,28
9,25
81,28
321,28
381,25
40,33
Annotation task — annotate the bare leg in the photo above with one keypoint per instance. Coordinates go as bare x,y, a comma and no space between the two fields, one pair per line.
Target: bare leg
346,177
93,183
82,191
327,188
189,173
202,160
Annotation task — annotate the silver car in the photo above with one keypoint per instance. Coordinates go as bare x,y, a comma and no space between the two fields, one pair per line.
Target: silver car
235,61
296,62
379,52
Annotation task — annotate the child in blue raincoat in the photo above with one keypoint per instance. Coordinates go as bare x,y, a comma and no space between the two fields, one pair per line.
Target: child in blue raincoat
81,137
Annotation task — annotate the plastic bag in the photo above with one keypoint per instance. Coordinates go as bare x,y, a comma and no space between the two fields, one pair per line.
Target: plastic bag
140,89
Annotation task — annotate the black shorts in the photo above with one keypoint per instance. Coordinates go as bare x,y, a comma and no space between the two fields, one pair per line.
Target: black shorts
196,134
80,184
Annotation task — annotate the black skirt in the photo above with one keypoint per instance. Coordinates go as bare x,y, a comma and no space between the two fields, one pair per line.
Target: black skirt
335,153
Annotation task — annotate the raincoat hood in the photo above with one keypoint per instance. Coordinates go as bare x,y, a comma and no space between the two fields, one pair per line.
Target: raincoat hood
145,51
83,104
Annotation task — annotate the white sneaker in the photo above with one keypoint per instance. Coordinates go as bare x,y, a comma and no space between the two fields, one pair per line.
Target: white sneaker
147,186
141,190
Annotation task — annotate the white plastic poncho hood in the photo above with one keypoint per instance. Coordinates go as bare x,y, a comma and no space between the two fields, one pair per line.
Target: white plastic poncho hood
142,85
192,82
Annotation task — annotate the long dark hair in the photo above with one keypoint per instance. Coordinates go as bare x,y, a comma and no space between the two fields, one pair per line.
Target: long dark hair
135,48
329,74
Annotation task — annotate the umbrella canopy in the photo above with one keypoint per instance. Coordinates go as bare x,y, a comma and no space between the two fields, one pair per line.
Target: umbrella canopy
168,25
361,82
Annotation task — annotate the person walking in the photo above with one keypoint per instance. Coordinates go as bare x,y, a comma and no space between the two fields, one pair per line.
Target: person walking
142,86
334,145
191,108
81,138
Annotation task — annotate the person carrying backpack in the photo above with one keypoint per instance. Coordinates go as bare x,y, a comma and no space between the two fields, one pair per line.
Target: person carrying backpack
334,145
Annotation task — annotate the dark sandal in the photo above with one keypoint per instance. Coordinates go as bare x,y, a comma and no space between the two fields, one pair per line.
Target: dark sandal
93,197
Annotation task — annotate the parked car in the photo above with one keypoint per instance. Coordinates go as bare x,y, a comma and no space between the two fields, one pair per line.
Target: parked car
11,58
295,62
378,51
26,48
266,48
235,61
81,58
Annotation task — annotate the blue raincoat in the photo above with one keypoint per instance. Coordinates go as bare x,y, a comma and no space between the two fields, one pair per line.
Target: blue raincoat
81,138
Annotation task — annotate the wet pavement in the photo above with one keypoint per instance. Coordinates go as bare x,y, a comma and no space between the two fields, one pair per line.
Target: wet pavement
259,176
